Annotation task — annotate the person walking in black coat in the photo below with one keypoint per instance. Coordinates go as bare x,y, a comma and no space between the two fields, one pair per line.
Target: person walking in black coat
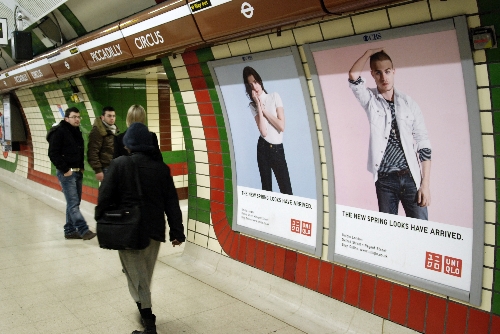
159,197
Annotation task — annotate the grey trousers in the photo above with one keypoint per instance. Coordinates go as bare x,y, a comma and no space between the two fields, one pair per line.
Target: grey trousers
139,266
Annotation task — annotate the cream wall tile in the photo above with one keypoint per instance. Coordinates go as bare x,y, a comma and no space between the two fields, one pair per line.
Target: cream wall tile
400,15
325,236
286,39
488,146
324,171
479,56
192,109
202,169
214,245
325,187
200,157
181,72
489,190
202,228
194,120
489,167
184,84
337,28
321,141
302,54
307,71
191,225
489,212
324,253
489,256
482,75
489,234
370,21
190,236
177,61
199,145
486,122
221,51
312,92
260,43
203,192
203,180
211,232
309,34
473,21
152,103
486,301
326,204
239,48
441,9
188,97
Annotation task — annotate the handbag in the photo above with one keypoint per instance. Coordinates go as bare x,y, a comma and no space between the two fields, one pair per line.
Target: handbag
119,228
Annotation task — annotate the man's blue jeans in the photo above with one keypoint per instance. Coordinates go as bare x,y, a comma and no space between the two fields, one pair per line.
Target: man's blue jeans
393,188
72,189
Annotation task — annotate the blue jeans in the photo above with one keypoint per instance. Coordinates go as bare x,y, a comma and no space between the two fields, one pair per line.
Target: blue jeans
393,188
72,189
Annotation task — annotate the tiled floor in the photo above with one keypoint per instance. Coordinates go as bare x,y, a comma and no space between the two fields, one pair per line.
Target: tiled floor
52,285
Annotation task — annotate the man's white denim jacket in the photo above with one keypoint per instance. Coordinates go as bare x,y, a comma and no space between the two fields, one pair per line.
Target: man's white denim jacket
412,130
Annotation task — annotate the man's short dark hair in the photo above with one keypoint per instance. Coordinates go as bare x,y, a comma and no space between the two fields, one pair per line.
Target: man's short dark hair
70,110
108,108
379,56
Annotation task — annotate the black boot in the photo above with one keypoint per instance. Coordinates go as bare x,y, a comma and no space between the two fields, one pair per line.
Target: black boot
149,326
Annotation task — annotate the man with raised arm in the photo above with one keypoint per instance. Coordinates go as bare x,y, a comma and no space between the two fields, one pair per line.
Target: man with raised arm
399,155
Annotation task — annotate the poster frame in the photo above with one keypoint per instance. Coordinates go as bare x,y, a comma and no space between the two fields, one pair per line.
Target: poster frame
459,24
293,51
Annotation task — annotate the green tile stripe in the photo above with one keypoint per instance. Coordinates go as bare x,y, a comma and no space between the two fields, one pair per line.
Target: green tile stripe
72,20
205,55
9,166
195,212
174,157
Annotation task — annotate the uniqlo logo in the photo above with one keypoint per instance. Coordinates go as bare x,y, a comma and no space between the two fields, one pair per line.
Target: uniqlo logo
453,266
433,261
306,228
295,226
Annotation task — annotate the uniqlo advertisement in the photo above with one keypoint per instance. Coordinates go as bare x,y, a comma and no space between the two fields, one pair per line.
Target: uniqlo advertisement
290,217
399,114
276,178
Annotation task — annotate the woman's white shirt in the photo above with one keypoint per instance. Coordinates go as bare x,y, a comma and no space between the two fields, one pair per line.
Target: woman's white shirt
270,102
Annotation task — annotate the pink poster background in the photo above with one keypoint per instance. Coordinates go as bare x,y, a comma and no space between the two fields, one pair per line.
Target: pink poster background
428,69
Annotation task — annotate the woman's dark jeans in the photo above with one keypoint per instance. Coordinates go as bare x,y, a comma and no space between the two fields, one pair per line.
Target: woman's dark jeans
271,158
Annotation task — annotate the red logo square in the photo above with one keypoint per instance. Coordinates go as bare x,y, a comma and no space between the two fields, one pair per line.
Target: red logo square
453,266
306,228
433,261
295,226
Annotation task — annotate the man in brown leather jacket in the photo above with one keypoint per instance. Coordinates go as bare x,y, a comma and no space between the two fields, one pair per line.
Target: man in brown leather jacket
102,142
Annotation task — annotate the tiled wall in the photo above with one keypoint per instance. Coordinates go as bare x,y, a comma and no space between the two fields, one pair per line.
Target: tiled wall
202,162
210,185
43,106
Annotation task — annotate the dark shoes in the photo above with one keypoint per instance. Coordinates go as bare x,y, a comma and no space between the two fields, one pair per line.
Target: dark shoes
72,235
88,235
149,326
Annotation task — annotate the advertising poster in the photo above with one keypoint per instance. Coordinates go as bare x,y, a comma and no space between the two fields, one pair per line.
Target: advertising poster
402,158
269,126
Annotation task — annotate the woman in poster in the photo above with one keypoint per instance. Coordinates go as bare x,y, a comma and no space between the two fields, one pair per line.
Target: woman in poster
269,115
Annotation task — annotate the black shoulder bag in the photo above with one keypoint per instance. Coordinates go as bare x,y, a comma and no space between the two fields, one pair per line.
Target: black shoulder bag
120,228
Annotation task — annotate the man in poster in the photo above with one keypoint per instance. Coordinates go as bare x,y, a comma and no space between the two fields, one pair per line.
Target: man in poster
399,155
